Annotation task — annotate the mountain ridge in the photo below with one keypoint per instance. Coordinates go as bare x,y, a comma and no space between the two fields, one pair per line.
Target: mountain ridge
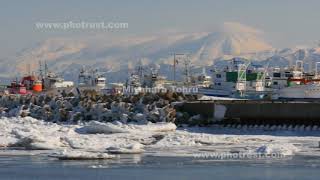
116,54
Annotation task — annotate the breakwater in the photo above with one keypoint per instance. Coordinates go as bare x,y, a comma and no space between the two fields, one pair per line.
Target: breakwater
256,112
90,105
161,107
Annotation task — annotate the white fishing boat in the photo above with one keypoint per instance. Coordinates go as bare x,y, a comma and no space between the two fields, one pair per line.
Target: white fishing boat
302,86
91,79
236,80
202,80
305,91
53,81
133,85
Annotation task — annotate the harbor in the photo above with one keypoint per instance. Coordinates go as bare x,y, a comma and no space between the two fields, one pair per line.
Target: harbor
212,89
240,93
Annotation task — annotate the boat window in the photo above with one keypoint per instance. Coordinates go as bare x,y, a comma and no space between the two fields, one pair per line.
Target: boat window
275,83
218,75
276,74
288,75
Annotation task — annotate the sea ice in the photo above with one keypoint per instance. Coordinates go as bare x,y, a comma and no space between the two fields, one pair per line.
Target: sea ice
95,127
81,155
151,138
281,149
136,148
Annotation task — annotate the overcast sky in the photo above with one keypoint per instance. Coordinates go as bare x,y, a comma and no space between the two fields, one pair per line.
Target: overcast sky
286,23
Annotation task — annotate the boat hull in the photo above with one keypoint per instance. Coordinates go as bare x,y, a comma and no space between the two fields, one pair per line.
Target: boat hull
311,91
233,94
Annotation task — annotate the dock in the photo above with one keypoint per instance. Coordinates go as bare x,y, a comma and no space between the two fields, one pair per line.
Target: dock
256,111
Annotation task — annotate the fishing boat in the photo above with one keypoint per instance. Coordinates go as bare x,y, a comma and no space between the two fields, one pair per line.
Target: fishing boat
91,79
32,83
145,79
17,88
305,91
133,84
202,80
237,80
52,81
300,85
29,84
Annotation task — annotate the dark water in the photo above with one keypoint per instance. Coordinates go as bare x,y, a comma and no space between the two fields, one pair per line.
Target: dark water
147,167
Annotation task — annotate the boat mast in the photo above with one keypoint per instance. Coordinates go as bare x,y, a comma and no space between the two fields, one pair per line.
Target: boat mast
45,68
187,63
175,62
261,79
299,66
40,70
242,78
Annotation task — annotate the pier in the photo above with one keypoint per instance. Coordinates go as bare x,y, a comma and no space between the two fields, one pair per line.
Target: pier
256,112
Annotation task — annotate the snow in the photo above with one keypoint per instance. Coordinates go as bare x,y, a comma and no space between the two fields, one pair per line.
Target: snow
97,140
232,39
212,98
95,127
80,155
131,149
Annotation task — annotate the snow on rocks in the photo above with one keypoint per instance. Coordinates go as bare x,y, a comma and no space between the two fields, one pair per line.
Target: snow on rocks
90,105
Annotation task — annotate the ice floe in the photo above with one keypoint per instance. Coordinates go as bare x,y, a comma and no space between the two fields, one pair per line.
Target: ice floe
95,127
151,138
81,155
136,148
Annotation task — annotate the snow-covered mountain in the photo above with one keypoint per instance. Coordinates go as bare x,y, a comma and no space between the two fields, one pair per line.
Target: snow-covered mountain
232,39
289,56
118,54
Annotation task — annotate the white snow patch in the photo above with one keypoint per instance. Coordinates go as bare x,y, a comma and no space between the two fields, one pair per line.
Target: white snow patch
158,138
95,127
81,155
212,98
131,149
